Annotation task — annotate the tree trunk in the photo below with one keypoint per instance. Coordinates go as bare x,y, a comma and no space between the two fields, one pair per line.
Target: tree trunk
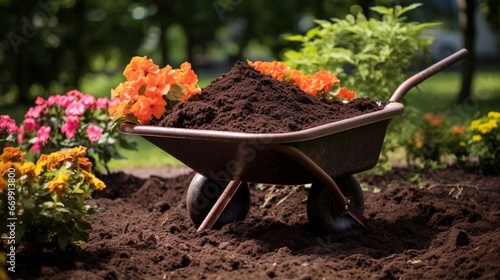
22,71
80,32
469,34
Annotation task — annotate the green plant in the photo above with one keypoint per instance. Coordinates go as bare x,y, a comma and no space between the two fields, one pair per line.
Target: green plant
45,205
71,120
434,142
484,142
368,55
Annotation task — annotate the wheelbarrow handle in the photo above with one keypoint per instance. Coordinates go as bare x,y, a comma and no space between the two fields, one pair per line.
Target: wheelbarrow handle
416,79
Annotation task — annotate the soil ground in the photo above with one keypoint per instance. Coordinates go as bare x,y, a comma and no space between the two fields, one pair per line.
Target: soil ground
445,226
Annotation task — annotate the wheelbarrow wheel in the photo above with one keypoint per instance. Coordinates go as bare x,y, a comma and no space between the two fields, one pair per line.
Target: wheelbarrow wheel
327,217
202,194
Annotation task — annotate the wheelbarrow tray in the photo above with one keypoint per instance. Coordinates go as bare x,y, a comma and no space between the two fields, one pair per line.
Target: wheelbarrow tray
339,148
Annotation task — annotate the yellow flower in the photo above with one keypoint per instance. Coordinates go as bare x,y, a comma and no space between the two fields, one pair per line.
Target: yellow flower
55,160
12,154
486,128
477,138
494,115
493,123
41,164
98,184
474,124
79,151
462,144
28,169
59,183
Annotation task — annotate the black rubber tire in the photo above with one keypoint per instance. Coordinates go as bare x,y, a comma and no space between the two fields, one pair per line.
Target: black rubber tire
323,215
202,194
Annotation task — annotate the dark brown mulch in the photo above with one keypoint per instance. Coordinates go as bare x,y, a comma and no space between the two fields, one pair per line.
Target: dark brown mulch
245,100
145,233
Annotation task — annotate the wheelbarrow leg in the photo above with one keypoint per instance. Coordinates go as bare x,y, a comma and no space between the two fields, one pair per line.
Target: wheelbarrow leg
338,198
220,205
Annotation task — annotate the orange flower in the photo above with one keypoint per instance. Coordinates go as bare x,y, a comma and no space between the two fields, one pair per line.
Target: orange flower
434,119
327,80
85,164
145,93
458,129
275,69
12,154
345,94
140,66
145,107
318,84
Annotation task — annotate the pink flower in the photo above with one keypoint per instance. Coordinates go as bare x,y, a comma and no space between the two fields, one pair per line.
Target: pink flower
20,135
64,101
88,101
8,124
70,126
102,103
75,93
39,101
94,132
75,109
34,112
43,134
53,99
36,147
30,124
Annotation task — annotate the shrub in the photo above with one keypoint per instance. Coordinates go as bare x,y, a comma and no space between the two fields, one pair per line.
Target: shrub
368,55
435,141
45,203
70,120
484,142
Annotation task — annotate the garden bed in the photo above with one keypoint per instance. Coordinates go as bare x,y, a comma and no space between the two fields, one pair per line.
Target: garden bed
145,233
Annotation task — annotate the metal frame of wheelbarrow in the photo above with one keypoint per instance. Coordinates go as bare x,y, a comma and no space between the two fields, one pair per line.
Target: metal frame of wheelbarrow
319,154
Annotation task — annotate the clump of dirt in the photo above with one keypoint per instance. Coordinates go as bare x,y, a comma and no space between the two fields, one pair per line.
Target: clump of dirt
245,100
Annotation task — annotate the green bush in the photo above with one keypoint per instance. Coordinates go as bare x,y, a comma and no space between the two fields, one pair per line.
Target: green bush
435,141
368,55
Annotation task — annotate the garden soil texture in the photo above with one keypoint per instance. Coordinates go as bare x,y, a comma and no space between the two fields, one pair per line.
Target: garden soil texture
425,231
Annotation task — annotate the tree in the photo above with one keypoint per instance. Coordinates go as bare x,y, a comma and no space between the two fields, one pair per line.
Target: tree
49,45
491,9
469,34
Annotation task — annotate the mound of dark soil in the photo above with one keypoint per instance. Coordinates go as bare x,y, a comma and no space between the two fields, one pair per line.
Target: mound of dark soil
245,100
145,233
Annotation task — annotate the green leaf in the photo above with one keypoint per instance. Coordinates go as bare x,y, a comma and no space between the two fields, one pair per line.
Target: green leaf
176,92
63,241
28,204
295,38
408,8
381,10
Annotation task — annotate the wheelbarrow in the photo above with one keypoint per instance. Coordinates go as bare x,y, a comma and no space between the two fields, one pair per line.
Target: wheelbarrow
326,156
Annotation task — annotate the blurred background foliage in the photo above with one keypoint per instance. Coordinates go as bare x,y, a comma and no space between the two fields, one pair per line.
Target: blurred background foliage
50,46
